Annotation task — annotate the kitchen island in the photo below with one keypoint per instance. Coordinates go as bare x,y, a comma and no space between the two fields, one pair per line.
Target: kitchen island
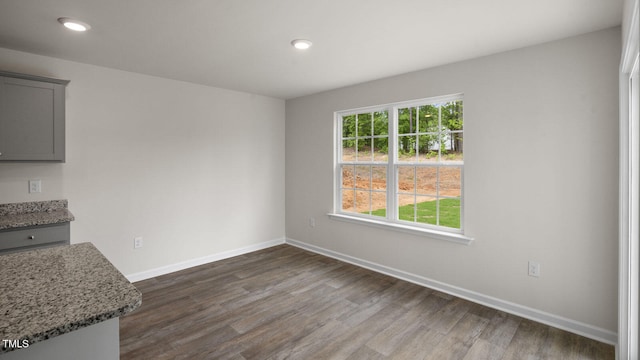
62,303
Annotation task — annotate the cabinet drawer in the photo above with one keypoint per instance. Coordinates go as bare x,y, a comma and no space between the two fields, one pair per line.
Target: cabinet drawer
35,236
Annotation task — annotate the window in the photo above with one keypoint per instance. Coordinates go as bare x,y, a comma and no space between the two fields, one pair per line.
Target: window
402,165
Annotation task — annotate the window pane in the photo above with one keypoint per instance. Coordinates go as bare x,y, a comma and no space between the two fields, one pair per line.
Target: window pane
381,123
406,207
449,213
459,113
364,125
452,124
348,150
379,204
349,126
363,201
406,179
381,149
347,176
363,177
452,116
450,181
407,121
426,210
453,151
364,149
428,147
427,118
426,179
403,121
446,144
379,177
348,200
406,148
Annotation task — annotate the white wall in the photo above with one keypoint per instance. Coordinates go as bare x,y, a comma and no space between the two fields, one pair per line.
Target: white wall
194,170
541,157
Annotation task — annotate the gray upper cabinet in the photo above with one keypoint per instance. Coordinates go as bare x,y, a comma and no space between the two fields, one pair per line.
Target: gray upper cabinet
32,112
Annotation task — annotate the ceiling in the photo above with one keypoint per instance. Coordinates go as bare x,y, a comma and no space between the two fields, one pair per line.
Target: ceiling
245,44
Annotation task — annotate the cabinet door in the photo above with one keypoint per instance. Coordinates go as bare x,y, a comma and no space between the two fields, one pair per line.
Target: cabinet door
31,120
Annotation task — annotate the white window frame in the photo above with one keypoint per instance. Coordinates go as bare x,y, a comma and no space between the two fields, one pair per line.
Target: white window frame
390,221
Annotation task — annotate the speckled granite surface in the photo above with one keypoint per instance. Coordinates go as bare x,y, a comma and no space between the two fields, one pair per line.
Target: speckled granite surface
17,215
49,292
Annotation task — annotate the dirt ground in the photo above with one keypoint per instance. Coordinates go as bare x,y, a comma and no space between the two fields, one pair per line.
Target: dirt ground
372,180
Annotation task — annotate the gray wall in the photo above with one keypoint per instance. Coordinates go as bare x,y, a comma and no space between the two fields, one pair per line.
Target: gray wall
541,152
194,170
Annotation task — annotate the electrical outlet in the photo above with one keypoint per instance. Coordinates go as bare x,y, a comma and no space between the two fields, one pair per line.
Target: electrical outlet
312,222
534,269
35,186
137,242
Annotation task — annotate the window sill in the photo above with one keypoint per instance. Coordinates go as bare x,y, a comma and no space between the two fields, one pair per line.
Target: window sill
414,230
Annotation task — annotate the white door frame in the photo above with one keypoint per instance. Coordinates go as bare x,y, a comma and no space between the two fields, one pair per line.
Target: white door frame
629,211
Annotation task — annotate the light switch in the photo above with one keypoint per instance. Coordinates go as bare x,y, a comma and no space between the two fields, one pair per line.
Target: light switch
35,186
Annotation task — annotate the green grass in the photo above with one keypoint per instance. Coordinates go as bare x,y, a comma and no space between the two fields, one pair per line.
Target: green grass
426,214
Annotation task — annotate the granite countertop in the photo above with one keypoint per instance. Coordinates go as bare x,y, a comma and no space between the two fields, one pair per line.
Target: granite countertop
17,215
49,292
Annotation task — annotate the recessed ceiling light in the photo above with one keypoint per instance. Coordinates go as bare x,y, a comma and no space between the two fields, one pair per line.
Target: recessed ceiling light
74,24
301,44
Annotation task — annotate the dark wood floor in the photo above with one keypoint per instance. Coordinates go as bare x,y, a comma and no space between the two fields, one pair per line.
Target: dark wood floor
286,303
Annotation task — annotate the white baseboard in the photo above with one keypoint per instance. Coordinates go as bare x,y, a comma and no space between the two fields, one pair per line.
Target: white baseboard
573,326
202,260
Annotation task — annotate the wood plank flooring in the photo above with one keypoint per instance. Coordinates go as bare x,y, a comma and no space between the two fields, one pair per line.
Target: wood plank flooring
287,303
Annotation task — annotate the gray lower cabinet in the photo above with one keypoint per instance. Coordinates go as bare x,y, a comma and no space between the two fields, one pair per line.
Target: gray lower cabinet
32,118
32,237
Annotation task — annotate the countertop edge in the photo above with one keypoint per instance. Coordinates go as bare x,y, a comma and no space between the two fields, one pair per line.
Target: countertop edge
17,221
67,328
32,207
